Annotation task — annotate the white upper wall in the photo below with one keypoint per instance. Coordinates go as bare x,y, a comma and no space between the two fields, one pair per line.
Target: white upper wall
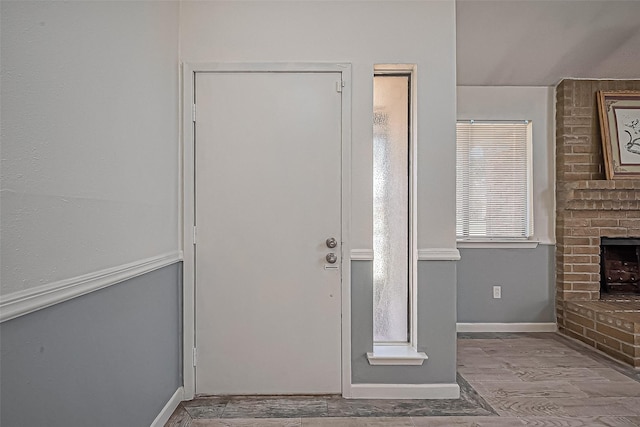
538,43
89,137
363,34
523,103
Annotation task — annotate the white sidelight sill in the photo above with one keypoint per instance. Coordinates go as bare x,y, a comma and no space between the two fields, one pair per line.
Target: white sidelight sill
396,355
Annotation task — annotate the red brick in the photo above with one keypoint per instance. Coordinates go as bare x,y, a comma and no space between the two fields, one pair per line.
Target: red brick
604,339
586,268
577,241
580,337
591,249
585,286
631,350
578,222
577,176
615,333
578,259
615,354
601,222
580,320
614,232
577,277
573,326
584,231
630,223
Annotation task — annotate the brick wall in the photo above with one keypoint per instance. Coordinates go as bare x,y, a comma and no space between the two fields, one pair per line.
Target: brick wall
588,206
610,327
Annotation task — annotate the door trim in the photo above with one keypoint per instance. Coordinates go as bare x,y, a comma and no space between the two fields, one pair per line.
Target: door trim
187,196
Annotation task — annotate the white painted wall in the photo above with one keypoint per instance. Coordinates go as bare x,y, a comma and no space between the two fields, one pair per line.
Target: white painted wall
538,43
523,103
89,137
363,34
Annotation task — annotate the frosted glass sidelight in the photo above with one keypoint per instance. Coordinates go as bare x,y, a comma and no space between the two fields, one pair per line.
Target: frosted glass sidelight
391,208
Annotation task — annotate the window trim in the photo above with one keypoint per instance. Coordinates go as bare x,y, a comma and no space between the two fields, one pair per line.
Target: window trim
388,353
396,355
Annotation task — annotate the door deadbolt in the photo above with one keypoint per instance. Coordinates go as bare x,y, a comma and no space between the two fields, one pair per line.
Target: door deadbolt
331,258
331,242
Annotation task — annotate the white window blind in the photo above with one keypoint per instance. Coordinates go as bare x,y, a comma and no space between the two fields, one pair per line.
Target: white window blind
493,180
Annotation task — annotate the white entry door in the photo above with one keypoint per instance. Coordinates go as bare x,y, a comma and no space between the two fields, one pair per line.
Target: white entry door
268,196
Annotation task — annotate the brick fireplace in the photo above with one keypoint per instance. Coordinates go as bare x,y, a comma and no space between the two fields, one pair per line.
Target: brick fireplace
589,208
586,212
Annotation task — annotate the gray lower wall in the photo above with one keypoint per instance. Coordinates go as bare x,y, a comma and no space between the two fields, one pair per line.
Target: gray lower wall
436,327
527,277
108,358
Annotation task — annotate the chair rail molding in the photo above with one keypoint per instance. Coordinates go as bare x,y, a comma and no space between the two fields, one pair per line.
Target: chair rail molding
438,254
361,254
24,302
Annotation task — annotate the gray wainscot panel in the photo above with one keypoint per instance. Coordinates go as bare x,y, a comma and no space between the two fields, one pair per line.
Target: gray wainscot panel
436,329
527,280
108,358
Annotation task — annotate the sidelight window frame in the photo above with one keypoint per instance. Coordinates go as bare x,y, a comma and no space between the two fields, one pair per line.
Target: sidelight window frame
405,352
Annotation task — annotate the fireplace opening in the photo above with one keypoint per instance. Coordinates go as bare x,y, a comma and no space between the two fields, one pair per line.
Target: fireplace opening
619,266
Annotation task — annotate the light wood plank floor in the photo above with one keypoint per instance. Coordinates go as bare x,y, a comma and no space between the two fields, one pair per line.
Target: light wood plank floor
520,380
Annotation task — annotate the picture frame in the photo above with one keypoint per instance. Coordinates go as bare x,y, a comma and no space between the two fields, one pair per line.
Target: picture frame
620,129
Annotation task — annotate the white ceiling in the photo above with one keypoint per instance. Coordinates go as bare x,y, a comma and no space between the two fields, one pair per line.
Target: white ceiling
540,42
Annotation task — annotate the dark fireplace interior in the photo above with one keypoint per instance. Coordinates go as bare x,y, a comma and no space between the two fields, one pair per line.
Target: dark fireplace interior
619,266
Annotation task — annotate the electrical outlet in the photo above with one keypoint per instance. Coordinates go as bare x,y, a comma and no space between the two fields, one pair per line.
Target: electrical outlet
497,292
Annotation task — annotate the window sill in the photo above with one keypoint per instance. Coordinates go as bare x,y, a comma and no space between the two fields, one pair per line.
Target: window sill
498,244
396,355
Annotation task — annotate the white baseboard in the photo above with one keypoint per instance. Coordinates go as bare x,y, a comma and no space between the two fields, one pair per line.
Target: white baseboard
405,391
168,409
507,327
24,302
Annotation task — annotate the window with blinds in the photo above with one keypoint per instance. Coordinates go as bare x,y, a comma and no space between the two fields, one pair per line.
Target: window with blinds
493,180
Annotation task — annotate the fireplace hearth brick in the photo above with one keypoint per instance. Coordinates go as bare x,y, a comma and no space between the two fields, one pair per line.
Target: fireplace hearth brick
589,207
612,327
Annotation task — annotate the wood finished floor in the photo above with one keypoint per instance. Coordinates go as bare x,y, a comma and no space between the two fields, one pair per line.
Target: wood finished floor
531,379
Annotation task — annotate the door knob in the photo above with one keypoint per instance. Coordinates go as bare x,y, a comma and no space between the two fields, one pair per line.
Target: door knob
331,242
331,258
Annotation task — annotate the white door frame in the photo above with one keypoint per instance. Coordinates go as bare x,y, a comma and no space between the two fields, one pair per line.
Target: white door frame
187,195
